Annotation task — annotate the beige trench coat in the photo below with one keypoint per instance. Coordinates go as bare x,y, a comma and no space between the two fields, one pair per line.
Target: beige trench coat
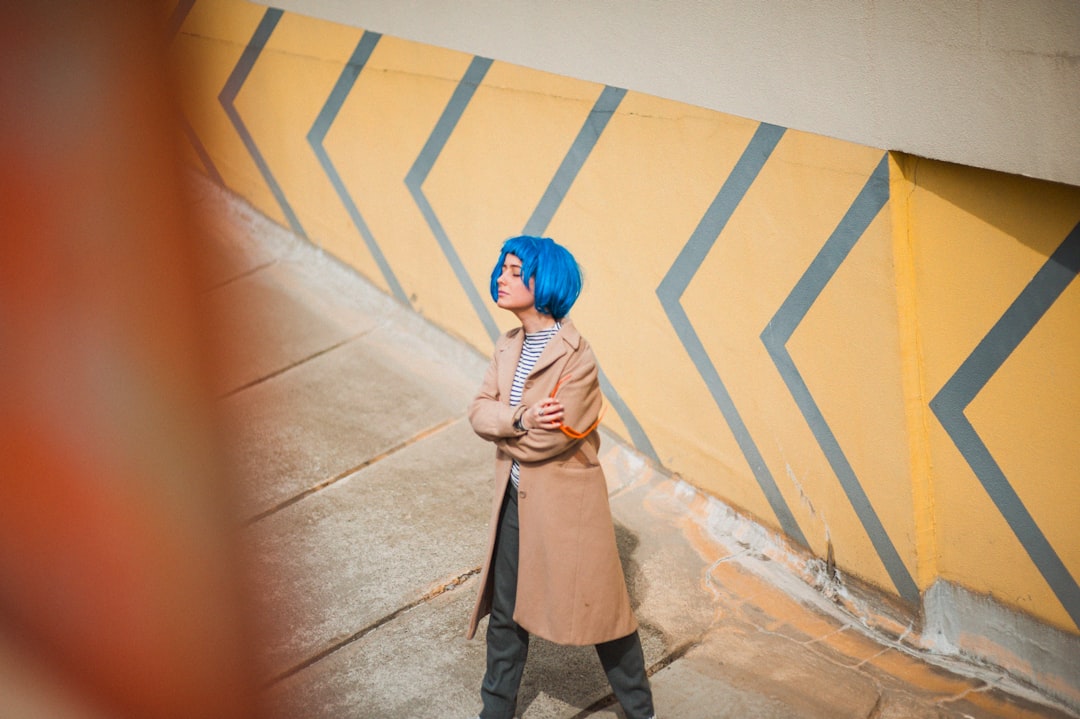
571,588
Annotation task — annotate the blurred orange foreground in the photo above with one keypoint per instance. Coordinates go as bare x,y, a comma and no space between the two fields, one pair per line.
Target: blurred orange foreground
118,591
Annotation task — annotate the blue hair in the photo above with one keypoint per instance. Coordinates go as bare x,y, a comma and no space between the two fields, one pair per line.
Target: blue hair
555,272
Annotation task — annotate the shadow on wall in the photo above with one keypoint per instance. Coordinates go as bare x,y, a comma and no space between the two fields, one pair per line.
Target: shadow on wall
1016,206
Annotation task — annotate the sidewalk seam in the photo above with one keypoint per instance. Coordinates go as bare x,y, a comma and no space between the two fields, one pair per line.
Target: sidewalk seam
447,586
662,663
237,277
423,434
293,365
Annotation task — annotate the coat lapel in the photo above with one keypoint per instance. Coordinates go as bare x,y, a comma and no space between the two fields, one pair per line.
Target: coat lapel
509,352
567,340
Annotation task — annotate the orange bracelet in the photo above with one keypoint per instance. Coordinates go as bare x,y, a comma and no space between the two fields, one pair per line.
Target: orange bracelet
569,431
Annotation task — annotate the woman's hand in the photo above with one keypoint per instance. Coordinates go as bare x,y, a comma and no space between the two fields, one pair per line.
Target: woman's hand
546,414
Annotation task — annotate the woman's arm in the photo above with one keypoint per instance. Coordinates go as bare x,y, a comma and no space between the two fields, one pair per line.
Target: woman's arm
490,417
581,399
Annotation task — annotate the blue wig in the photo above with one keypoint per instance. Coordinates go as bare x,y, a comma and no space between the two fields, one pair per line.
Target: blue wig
554,269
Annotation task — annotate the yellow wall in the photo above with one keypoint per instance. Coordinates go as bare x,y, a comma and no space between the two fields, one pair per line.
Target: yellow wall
783,319
993,262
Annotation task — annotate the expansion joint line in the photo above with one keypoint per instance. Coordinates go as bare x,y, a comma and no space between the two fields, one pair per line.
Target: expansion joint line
239,276
292,365
608,700
447,586
353,470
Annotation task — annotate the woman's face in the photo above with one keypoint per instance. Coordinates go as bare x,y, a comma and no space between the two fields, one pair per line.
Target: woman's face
513,294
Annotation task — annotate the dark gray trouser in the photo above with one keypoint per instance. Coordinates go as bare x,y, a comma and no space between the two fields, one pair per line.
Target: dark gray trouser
508,644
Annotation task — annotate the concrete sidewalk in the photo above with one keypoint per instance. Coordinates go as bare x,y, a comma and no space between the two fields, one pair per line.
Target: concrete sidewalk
368,498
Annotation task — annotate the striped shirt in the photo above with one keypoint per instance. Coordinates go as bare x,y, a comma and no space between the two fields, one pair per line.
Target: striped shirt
530,352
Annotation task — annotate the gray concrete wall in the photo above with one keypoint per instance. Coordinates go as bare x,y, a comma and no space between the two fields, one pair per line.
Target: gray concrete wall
985,83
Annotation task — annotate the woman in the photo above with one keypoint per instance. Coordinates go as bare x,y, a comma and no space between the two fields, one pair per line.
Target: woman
552,567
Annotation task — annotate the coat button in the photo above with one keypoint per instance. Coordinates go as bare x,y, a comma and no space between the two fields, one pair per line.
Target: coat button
528,385
521,494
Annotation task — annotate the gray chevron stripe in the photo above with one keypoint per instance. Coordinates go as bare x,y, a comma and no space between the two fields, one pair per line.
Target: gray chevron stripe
867,205
575,159
678,278
176,21
579,152
1059,270
227,98
414,180
177,17
201,151
317,135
